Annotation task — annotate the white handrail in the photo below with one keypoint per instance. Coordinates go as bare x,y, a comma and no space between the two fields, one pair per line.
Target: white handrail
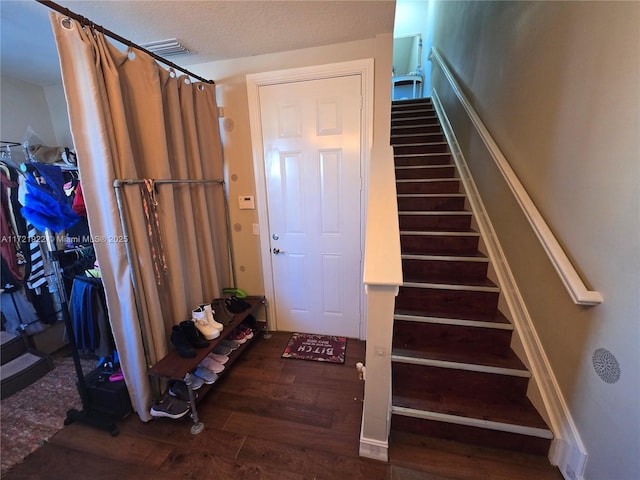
578,291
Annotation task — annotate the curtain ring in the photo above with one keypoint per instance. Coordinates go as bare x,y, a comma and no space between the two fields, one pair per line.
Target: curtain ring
187,81
172,73
67,23
201,87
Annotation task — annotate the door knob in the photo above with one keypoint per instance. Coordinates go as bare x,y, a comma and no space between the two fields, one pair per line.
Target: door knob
277,251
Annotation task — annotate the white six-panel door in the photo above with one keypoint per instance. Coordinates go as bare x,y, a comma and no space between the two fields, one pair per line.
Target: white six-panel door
311,132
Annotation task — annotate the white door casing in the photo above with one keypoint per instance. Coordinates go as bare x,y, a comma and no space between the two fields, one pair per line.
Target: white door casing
298,297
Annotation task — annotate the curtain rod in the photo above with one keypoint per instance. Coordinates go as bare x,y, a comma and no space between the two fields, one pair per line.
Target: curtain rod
85,21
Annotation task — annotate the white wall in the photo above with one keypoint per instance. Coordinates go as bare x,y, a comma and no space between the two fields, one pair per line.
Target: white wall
24,105
412,17
59,115
556,83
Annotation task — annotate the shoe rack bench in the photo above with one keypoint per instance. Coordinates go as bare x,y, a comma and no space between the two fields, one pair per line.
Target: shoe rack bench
175,367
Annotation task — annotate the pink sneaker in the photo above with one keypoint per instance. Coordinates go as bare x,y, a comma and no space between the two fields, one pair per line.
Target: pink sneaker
237,336
222,359
211,364
248,333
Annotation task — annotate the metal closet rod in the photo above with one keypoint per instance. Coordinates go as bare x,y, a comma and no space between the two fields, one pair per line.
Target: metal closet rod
120,182
85,21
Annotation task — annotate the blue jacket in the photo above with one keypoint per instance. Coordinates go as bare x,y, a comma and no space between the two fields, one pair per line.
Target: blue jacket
46,205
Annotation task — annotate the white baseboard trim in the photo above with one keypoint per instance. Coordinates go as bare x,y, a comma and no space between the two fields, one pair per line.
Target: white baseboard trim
374,449
567,450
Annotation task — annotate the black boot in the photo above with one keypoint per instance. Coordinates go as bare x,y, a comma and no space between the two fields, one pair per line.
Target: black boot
180,341
194,336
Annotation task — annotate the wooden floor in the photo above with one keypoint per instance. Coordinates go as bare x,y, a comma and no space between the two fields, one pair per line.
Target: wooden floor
269,418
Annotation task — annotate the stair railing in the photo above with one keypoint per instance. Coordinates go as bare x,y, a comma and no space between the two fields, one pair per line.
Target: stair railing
578,291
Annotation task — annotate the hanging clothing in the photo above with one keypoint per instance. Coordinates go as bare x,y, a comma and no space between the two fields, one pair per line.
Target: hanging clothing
46,205
91,329
36,276
8,237
78,201
8,283
17,311
10,196
150,207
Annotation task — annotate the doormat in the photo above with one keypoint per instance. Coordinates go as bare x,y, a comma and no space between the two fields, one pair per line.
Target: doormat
319,348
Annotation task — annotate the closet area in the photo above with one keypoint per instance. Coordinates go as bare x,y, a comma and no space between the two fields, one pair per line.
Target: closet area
53,306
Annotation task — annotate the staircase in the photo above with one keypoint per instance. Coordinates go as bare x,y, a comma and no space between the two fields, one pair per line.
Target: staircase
20,366
453,371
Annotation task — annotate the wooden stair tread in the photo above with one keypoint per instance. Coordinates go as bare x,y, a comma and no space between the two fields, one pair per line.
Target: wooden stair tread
436,213
428,180
446,456
413,101
474,256
454,282
469,232
497,317
513,412
421,159
419,109
507,360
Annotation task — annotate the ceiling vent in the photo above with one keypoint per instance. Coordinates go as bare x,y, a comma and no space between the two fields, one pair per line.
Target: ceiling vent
165,48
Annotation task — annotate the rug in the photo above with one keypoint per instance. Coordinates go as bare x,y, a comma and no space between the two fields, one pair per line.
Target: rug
33,415
319,348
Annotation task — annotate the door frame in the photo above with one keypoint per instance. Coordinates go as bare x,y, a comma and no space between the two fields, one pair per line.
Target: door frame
365,69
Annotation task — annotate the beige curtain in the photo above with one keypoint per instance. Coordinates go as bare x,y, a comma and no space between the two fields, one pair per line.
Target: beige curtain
132,119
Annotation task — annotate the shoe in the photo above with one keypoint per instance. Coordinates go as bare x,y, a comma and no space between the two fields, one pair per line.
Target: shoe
248,333
194,336
179,340
205,374
237,336
181,391
227,343
210,316
211,364
236,305
223,315
199,317
221,359
196,382
222,350
251,322
170,407
116,376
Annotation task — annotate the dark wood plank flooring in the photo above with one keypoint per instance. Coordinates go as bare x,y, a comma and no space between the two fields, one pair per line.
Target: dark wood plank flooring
269,418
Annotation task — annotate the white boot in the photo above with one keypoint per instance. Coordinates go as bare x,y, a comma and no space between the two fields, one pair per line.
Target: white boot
210,318
199,317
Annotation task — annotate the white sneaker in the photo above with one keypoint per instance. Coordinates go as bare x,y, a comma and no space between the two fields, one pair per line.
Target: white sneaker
199,317
210,318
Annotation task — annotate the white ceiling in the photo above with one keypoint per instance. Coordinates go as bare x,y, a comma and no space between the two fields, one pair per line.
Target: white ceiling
211,29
